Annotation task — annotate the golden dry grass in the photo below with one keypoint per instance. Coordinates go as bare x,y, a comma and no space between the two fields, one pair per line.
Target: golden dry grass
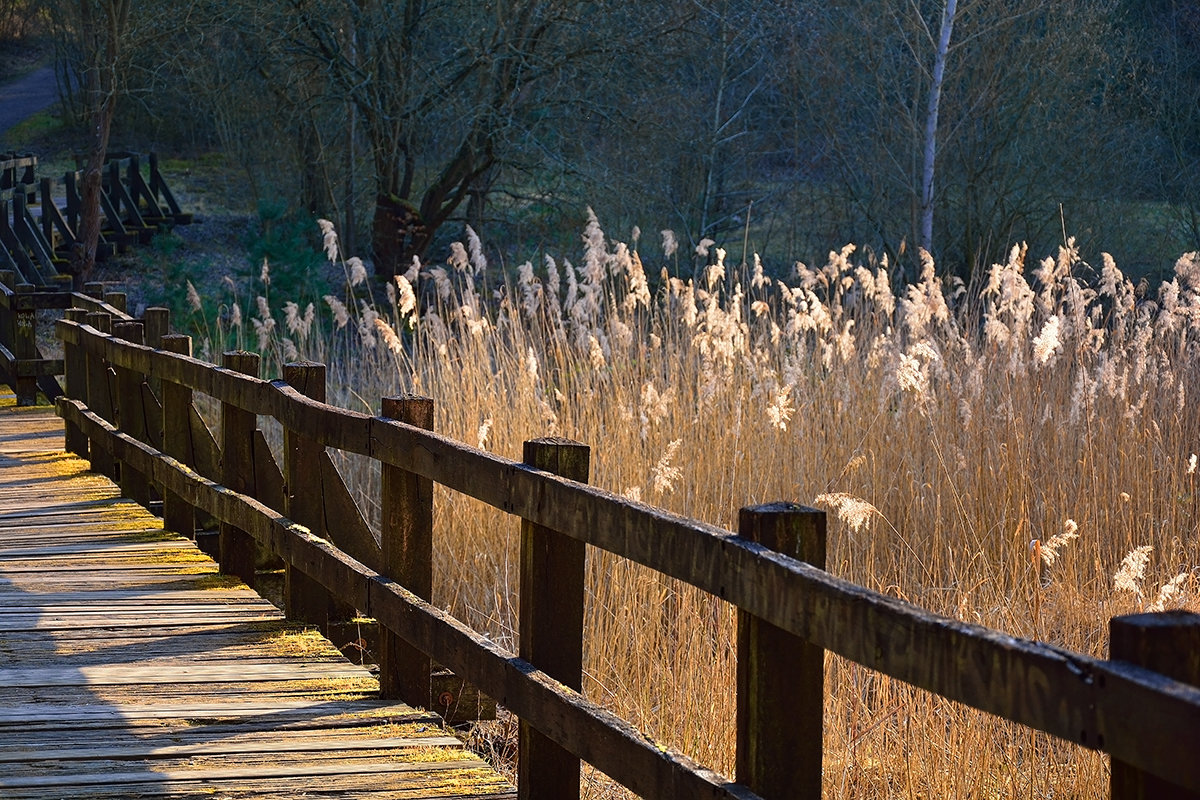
992,458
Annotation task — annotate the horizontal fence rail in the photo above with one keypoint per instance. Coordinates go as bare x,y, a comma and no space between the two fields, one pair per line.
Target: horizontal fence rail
22,364
1146,720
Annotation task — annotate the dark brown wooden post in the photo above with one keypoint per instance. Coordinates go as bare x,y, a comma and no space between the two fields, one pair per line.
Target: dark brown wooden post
131,415
178,515
75,369
1168,643
551,622
781,678
99,394
407,550
8,317
237,469
94,289
305,599
157,322
25,344
117,300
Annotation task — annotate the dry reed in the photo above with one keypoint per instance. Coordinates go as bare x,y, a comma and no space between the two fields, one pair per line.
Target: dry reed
1022,459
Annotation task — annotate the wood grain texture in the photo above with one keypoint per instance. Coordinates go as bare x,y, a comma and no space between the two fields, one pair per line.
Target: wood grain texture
406,555
129,668
551,622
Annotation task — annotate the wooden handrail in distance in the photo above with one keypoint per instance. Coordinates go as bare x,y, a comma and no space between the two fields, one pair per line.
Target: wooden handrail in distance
1140,716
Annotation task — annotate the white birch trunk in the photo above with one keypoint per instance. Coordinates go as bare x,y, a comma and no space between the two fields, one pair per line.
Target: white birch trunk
931,124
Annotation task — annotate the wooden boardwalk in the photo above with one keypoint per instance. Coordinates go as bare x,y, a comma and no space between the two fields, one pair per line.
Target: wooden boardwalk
130,668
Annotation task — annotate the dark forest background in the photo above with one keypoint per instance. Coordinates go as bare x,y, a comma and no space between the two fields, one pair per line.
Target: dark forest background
788,127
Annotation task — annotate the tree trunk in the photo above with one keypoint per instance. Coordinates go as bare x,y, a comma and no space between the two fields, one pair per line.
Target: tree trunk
931,124
398,233
103,26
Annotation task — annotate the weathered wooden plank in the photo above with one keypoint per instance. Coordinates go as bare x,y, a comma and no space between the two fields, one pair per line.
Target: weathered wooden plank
131,416
249,712
75,367
126,674
304,742
115,687
177,437
66,621
1168,642
344,766
99,392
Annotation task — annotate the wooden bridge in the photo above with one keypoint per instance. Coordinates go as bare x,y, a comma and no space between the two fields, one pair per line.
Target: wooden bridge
37,248
130,668
129,407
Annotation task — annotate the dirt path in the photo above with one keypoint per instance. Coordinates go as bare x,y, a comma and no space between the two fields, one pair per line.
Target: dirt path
25,97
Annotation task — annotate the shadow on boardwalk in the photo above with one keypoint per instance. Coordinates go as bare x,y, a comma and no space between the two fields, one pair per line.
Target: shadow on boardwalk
128,667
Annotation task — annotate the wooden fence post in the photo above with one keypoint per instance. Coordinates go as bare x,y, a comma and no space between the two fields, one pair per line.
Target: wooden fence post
99,395
8,318
157,323
781,678
305,599
131,415
1168,643
178,515
551,622
407,555
117,300
25,344
75,369
237,469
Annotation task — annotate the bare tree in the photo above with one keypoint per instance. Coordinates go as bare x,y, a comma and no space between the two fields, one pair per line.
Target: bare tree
437,87
987,99
101,31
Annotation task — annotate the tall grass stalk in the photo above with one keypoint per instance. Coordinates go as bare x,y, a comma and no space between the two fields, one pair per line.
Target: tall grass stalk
995,458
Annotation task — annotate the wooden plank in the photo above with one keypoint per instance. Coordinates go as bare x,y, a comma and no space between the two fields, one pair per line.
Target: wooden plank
126,674
99,395
135,693
178,515
68,622
285,712
131,415
137,749
75,367
109,779
1168,642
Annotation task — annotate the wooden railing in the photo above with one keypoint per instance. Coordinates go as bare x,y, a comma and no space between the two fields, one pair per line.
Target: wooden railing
39,250
22,365
1143,706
